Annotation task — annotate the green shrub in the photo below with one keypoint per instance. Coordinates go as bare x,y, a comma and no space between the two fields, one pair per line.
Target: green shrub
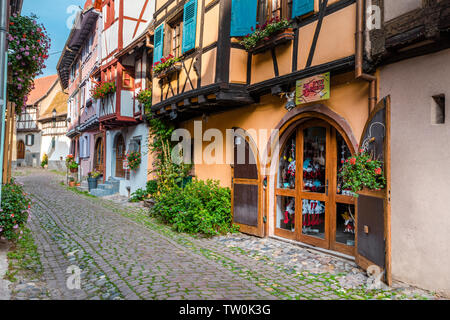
152,187
14,211
201,207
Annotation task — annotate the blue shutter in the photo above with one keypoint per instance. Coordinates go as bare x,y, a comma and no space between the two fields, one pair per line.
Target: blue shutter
243,17
301,7
158,46
189,25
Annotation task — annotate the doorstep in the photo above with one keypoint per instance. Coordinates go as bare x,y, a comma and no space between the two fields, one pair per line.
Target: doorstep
317,249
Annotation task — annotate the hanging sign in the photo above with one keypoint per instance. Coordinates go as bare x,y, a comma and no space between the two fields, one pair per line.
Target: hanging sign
312,89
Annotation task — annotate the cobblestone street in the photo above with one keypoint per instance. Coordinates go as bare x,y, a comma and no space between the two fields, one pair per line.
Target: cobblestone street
124,254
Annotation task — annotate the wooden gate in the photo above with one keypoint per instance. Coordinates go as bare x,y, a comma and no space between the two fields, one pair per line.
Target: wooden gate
246,189
373,219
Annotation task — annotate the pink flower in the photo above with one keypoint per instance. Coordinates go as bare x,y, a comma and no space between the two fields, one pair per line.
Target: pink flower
16,226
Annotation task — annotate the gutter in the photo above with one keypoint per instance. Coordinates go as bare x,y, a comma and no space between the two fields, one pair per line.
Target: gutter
359,73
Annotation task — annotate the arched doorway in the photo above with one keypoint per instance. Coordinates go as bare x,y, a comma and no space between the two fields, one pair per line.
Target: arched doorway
120,156
20,150
246,187
310,205
98,155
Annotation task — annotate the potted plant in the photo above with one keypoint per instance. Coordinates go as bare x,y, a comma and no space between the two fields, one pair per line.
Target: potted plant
92,179
73,167
271,34
134,160
362,171
72,182
166,66
144,97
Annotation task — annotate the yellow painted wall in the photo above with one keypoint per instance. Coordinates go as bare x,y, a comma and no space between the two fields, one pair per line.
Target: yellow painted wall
238,66
347,99
211,26
208,72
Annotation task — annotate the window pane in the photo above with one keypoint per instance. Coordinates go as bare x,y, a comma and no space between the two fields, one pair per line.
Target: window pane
286,173
345,224
286,213
313,218
314,159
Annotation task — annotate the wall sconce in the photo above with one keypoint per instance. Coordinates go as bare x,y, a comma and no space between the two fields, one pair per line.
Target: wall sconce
290,104
173,114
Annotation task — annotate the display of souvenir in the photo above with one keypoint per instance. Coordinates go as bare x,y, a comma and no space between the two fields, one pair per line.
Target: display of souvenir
289,215
313,212
348,222
287,166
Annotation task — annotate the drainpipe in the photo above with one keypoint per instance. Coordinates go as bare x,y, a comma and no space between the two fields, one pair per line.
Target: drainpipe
359,74
4,11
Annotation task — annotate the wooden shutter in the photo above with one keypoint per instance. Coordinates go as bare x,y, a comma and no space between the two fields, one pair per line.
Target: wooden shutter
301,7
159,37
189,26
243,17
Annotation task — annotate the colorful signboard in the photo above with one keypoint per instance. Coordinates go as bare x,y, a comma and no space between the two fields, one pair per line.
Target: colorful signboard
312,89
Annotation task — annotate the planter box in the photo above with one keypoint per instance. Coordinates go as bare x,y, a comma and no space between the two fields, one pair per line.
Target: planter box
275,40
72,184
176,67
74,170
92,183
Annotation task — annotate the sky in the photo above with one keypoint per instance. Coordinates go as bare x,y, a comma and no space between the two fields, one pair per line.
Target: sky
56,15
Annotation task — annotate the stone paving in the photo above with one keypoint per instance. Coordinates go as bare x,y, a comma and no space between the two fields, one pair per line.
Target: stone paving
123,253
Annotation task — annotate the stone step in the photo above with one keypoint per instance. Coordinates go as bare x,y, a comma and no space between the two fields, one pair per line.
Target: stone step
100,192
83,188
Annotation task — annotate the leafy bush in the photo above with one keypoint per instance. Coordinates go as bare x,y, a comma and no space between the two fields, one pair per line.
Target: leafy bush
141,194
44,160
134,160
201,207
14,212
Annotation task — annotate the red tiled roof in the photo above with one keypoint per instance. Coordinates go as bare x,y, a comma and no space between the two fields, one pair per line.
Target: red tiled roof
41,87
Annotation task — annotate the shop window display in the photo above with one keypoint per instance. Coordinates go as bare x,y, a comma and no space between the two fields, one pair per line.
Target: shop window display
286,174
345,224
286,213
314,160
313,218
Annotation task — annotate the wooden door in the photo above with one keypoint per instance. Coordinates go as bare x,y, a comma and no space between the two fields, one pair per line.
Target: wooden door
313,198
373,221
246,189
21,150
98,155
120,156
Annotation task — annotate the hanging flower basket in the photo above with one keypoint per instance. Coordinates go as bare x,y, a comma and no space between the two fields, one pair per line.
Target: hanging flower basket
134,160
271,34
361,171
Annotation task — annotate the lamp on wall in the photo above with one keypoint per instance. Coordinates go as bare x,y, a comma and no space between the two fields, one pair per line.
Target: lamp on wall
290,104
54,114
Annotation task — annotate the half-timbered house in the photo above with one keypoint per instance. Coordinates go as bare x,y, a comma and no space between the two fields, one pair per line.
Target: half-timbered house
310,81
28,132
124,56
52,120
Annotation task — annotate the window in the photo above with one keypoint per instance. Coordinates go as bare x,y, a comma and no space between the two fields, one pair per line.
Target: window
29,139
128,78
176,39
438,109
281,9
109,13
174,36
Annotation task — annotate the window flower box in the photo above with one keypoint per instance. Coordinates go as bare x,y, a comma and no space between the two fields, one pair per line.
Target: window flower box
271,34
166,67
274,41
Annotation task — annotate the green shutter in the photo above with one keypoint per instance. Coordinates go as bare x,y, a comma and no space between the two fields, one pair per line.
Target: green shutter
158,46
189,25
243,17
301,7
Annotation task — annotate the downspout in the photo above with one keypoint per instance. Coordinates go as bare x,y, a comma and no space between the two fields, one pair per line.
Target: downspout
3,76
359,74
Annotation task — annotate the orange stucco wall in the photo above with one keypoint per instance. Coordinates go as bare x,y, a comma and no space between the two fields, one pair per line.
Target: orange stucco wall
348,99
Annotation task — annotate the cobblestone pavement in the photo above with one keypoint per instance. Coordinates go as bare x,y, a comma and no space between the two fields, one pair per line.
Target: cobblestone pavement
125,254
